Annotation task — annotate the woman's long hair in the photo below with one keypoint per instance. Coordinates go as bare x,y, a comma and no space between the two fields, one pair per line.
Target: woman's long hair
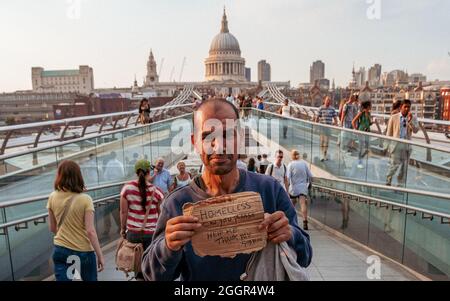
142,184
142,103
251,164
69,178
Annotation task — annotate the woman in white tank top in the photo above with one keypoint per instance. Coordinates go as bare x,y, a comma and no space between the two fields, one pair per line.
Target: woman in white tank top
183,178
285,111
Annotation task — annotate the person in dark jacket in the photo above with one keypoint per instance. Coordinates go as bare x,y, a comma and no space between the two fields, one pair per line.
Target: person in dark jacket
171,255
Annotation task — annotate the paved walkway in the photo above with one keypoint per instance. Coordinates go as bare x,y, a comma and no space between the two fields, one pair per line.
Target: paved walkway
335,259
339,259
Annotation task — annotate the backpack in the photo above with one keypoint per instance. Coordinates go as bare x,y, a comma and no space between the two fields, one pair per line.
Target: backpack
271,169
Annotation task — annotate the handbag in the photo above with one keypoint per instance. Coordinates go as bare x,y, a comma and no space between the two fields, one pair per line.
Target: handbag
128,254
67,207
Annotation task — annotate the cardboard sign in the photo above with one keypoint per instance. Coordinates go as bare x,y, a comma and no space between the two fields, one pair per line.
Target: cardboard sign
229,225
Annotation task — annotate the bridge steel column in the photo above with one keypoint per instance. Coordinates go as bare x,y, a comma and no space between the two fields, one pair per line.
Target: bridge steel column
5,142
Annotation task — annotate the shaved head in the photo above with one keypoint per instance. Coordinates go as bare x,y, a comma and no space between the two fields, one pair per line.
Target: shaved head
215,136
216,105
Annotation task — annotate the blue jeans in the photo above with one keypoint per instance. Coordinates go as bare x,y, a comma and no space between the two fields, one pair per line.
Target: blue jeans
66,261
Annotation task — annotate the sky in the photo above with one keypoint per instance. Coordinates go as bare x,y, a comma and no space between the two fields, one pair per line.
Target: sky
115,37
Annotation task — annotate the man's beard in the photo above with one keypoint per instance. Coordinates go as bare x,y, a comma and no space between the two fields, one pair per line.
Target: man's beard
220,169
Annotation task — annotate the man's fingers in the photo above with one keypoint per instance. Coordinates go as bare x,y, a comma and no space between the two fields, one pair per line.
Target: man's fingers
281,238
269,219
181,235
183,227
279,232
182,220
283,222
177,245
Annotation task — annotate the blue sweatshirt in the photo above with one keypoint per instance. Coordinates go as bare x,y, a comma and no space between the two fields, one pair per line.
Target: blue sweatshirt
161,264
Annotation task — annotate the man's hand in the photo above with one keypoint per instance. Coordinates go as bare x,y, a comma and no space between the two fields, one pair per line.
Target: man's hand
277,226
179,231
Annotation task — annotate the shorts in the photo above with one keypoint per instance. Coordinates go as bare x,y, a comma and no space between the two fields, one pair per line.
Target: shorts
296,197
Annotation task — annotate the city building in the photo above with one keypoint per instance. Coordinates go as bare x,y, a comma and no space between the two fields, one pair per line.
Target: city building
225,74
424,99
360,77
415,78
248,74
374,75
63,81
152,74
225,62
395,78
264,71
317,71
324,84
29,106
445,103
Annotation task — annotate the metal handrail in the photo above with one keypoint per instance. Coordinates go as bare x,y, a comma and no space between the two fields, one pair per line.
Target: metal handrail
369,198
423,120
374,135
399,205
37,149
395,189
85,118
45,215
43,197
64,124
280,97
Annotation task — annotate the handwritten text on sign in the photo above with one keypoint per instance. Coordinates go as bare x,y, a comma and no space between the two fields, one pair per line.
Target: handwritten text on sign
229,225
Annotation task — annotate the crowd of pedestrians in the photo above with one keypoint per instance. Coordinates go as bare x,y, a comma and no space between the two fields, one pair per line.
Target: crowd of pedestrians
151,202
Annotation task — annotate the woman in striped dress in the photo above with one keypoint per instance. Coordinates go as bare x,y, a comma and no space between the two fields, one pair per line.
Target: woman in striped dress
138,197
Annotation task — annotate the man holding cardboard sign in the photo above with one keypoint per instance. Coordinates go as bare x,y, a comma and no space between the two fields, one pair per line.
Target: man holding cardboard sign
228,216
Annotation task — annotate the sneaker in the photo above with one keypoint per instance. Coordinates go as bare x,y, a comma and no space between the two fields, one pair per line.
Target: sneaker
360,166
322,160
305,226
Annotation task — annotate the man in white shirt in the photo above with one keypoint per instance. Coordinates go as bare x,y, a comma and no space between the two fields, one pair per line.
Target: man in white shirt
240,162
114,169
278,170
299,177
114,172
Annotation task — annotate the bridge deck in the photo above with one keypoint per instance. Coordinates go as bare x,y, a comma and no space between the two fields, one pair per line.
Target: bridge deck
335,259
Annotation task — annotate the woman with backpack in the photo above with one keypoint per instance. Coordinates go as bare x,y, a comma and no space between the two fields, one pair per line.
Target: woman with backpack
140,208
362,122
71,219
